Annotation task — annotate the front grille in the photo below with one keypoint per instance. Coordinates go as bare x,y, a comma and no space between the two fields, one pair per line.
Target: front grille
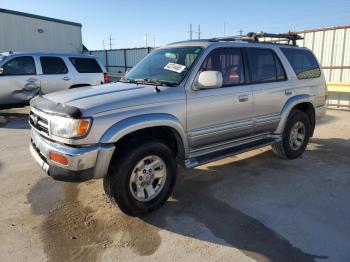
39,123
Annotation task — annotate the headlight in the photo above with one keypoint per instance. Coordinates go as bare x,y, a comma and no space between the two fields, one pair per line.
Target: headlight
69,127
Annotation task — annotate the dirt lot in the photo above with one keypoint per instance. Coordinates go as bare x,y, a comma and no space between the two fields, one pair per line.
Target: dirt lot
245,208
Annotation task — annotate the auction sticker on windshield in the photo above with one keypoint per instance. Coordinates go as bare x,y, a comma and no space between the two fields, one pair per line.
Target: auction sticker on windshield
175,67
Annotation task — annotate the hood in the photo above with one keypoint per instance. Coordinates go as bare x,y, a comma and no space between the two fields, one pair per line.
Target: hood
96,99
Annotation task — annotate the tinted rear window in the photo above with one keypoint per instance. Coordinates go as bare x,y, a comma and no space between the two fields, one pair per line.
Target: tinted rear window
53,65
86,65
265,66
303,62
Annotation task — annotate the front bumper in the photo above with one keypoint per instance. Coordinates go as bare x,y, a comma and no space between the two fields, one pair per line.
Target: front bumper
84,163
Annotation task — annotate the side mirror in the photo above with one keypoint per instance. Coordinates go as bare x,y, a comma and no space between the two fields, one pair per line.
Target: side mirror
1,70
208,80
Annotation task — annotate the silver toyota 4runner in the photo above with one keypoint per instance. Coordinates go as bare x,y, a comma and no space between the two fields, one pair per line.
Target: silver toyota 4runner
189,102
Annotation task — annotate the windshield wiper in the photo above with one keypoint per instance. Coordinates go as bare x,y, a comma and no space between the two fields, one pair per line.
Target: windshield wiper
155,82
127,80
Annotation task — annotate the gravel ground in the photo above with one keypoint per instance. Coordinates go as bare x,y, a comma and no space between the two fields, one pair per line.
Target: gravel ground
252,207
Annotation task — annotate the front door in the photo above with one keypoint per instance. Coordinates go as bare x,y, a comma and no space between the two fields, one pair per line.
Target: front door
19,81
223,114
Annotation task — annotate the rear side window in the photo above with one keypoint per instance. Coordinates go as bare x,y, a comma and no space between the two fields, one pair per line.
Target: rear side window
23,65
53,65
265,66
86,65
303,62
229,62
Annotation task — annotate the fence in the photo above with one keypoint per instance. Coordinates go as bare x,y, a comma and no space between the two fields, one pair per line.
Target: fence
120,60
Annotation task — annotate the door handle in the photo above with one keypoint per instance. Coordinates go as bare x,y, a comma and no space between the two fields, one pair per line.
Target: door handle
243,98
288,92
66,78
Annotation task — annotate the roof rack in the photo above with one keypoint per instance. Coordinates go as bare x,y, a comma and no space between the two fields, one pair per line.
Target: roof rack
290,38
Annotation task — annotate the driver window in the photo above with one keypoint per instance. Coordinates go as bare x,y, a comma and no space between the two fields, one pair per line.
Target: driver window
229,62
23,65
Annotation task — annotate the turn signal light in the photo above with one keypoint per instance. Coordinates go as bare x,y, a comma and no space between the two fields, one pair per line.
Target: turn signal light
57,157
82,127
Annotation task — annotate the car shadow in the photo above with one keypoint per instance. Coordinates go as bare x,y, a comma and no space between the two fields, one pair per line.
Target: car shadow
14,120
194,202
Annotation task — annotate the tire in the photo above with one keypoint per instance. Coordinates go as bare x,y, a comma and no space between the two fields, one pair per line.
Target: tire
291,150
122,182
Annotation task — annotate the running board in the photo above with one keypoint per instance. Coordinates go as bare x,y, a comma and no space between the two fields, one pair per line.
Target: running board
201,160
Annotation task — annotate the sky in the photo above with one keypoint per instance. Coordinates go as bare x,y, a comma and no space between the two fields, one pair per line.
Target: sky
168,21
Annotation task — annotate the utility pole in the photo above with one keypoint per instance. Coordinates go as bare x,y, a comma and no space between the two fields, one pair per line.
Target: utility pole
199,32
110,41
146,39
191,31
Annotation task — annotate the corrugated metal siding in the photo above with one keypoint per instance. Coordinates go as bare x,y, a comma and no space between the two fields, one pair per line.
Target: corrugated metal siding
115,61
120,60
134,56
19,33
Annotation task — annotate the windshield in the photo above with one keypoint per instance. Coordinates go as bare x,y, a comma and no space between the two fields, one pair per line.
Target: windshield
166,66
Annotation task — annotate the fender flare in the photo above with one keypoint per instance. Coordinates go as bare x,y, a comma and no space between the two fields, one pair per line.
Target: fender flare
135,123
287,108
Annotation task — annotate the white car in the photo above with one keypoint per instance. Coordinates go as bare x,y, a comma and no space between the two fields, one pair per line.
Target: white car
25,75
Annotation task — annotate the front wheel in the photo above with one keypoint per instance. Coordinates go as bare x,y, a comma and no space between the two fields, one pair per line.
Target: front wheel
142,179
295,136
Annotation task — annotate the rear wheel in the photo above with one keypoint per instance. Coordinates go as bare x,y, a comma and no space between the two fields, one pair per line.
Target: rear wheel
142,179
295,136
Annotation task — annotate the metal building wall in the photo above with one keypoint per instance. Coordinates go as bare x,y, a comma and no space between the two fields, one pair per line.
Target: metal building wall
27,33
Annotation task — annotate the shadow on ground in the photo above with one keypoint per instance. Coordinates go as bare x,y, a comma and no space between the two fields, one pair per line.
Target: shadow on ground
14,120
73,231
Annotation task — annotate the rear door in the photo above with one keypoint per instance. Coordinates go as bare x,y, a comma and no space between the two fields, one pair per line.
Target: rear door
19,81
89,72
55,74
270,88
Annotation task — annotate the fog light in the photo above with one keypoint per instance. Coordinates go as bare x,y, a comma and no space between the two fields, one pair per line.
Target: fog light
57,157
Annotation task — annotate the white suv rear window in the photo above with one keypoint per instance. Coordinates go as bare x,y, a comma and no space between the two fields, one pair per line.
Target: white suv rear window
86,65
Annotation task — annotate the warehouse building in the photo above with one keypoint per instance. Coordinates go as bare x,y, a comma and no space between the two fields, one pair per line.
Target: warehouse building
23,32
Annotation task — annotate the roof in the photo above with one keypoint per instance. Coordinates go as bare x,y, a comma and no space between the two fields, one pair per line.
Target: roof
252,38
6,11
323,29
208,42
45,53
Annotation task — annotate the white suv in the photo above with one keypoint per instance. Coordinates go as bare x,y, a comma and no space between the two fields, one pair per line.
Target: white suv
24,75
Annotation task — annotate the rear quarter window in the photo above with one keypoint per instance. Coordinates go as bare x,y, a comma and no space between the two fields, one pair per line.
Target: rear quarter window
303,63
86,65
265,66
